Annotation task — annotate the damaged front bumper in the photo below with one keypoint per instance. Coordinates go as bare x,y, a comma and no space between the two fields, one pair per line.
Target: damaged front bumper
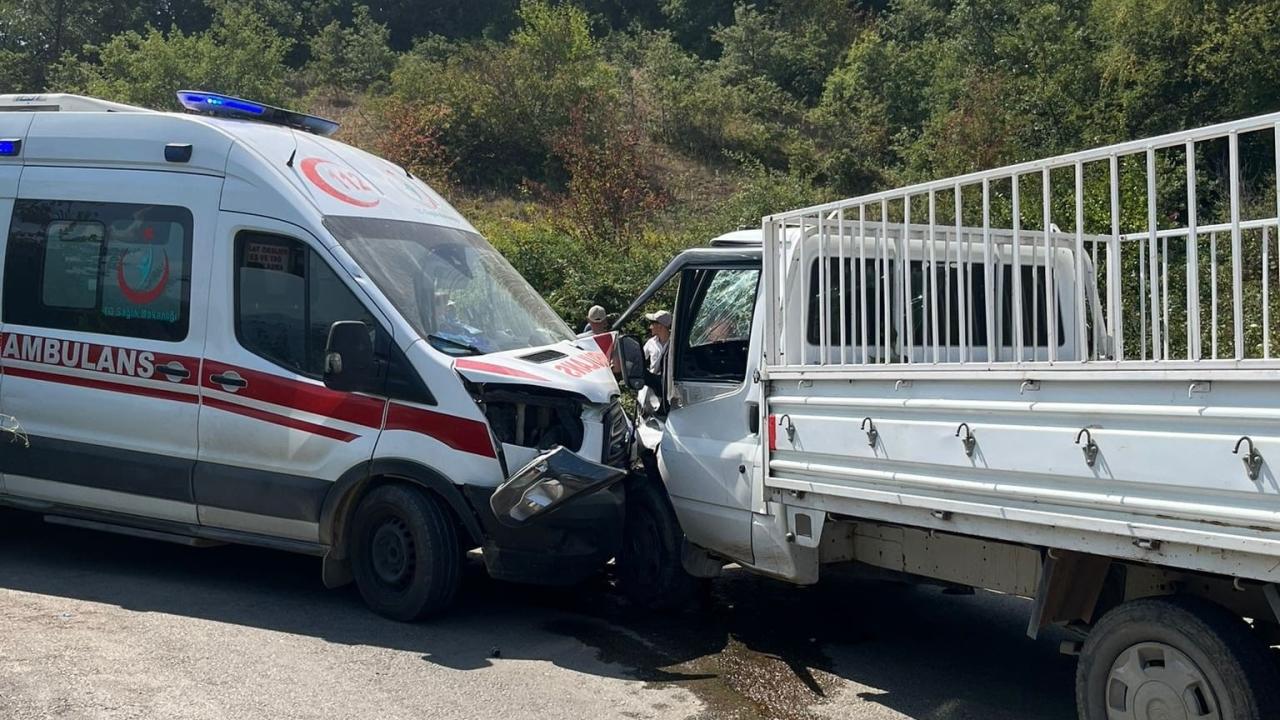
556,521
551,480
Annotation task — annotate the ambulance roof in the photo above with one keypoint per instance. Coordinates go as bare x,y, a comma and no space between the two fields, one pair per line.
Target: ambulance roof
330,176
54,102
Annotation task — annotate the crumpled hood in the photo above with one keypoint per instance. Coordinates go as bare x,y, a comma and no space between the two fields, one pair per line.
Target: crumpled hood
562,366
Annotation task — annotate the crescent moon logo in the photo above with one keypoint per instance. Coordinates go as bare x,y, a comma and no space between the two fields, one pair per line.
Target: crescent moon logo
135,295
339,182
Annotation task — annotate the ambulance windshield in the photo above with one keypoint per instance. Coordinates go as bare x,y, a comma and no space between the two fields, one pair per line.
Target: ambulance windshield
459,293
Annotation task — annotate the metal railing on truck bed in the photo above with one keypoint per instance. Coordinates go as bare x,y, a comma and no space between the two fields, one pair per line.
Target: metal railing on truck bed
1070,353
1153,254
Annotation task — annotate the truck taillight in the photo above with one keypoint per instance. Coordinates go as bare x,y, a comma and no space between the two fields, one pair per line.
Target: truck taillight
773,433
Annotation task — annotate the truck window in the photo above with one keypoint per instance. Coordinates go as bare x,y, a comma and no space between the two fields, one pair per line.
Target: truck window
842,292
111,268
1035,328
714,327
1035,331
286,299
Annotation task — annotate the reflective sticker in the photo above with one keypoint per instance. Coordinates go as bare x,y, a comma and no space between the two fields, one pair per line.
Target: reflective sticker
80,355
340,182
583,365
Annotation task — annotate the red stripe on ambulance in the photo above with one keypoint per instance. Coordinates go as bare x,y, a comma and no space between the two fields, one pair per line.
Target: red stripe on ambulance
470,436
494,369
299,395
284,420
95,384
97,367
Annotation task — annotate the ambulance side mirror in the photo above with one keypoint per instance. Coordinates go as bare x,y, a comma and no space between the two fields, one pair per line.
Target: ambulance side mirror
348,357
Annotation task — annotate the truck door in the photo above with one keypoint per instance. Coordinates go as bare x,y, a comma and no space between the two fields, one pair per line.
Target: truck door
273,438
711,430
105,277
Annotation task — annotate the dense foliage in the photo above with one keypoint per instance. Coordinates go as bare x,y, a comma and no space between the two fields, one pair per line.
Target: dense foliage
592,138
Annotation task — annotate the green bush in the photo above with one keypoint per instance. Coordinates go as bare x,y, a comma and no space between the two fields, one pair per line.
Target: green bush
406,133
700,108
238,55
573,272
357,57
510,100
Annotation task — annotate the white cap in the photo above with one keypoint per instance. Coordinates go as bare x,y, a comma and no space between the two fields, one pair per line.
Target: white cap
596,314
662,317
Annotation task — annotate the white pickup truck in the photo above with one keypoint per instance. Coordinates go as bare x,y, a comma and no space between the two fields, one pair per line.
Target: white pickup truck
940,381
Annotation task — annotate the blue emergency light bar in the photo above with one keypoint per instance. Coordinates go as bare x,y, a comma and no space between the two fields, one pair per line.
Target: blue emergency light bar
9,148
218,105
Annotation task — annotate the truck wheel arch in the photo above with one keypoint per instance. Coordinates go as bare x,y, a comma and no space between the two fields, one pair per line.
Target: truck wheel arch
341,500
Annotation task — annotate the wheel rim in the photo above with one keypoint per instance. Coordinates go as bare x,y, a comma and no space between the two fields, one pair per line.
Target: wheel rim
392,553
1154,681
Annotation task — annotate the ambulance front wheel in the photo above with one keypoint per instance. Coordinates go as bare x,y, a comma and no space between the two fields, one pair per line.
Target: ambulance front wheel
650,571
405,554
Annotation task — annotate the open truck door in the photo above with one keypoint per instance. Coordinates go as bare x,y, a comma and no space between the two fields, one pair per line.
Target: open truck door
700,435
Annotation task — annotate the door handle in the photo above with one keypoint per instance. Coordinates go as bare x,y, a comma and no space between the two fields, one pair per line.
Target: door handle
173,371
229,379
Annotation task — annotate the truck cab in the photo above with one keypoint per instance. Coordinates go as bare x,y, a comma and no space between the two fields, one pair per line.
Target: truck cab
702,435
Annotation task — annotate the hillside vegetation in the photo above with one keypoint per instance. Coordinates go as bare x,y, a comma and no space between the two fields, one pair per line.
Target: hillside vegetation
592,139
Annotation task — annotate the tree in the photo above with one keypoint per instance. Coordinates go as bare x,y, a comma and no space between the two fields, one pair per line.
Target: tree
609,194
706,109
691,22
238,55
34,34
508,101
352,57
794,46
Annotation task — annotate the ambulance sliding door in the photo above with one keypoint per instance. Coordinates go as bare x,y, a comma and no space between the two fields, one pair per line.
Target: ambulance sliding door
105,281
11,126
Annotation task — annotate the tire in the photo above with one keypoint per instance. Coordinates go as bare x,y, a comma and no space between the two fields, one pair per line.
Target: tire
649,569
405,553
1174,657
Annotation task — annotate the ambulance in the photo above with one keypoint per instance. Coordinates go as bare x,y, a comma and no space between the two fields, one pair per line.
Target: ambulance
222,326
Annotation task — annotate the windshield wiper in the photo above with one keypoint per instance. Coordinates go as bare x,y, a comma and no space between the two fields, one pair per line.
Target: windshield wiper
467,347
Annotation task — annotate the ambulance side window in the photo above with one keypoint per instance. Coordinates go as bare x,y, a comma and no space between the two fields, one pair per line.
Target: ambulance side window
286,299
111,268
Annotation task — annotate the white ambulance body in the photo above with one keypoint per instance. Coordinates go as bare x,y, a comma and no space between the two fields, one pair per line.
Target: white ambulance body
219,327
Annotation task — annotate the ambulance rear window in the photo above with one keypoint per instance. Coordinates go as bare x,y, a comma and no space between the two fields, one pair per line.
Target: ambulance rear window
71,252
111,268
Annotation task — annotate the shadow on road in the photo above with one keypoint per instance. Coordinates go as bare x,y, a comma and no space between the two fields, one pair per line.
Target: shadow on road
756,648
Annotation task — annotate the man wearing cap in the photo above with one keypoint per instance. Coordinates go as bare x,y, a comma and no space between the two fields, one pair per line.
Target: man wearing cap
597,321
655,350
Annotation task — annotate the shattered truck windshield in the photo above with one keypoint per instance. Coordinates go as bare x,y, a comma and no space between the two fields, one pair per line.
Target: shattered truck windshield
458,292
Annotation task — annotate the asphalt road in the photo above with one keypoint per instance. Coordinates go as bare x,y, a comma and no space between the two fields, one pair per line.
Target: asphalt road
98,626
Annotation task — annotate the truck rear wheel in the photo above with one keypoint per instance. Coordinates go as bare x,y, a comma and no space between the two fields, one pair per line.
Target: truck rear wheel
649,568
1174,658
405,554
